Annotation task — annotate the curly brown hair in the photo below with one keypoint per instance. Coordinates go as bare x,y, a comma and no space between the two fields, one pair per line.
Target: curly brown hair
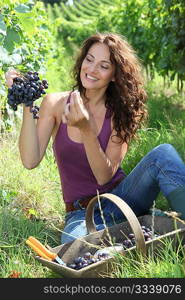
125,97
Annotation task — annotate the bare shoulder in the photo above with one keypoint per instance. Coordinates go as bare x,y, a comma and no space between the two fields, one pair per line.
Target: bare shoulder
52,107
53,103
54,99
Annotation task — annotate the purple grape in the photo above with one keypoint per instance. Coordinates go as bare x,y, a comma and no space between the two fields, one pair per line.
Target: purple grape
93,260
127,243
102,256
85,264
78,260
133,240
72,266
79,266
87,255
146,235
143,227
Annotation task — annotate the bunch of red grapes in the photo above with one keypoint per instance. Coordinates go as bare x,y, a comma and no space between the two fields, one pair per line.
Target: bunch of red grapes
26,89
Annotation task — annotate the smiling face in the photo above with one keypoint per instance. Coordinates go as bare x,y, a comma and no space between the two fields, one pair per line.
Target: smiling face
97,69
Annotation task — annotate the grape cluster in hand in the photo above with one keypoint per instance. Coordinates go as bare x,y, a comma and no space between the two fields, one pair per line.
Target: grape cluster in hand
87,259
26,90
148,236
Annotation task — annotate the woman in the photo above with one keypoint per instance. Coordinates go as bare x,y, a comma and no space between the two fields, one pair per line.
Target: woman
91,129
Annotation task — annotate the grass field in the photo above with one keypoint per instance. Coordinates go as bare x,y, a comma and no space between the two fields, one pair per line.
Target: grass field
31,200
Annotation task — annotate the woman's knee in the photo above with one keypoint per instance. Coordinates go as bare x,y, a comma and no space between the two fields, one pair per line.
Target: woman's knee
164,148
165,155
164,152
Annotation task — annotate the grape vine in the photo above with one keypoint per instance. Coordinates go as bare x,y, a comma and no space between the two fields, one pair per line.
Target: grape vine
26,40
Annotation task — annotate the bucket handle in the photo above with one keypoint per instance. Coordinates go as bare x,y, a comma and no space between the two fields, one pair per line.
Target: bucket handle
126,210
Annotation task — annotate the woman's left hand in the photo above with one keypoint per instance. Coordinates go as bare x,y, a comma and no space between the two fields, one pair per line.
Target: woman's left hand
75,114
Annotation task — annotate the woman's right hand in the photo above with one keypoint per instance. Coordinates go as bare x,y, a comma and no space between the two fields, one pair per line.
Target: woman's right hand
10,75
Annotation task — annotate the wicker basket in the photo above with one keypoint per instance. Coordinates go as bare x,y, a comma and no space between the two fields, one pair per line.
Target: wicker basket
164,226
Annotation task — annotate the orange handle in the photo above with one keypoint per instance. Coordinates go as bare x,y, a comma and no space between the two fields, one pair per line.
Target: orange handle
42,248
37,250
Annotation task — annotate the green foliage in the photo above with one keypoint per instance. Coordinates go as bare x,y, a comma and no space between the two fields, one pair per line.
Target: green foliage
84,9
90,7
155,29
52,2
76,22
25,42
25,35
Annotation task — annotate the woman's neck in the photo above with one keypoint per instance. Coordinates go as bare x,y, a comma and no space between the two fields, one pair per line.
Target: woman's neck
95,97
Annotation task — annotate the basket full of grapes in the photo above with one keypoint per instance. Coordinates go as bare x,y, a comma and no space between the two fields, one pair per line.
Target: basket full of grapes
95,254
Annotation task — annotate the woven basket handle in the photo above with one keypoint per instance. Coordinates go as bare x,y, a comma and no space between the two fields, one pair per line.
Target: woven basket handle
126,210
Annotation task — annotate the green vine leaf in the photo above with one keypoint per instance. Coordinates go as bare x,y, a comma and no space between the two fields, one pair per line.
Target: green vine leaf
2,89
12,38
4,57
22,8
16,59
2,26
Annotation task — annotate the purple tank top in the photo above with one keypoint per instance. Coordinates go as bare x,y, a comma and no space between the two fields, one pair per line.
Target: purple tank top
77,178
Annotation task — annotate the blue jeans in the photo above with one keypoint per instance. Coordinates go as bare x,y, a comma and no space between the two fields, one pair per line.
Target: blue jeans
161,169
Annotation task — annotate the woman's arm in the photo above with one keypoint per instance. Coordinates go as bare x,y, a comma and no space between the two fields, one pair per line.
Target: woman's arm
35,135
103,165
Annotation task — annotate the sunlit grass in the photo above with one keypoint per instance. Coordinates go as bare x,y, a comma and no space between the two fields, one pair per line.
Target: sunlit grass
167,262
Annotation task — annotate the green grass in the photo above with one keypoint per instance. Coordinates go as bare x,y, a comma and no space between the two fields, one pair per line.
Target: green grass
165,124
168,262
38,189
31,200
